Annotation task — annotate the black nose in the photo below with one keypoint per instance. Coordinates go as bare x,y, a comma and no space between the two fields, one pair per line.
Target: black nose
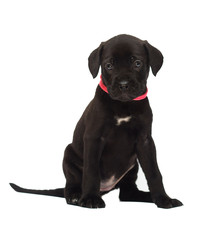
123,85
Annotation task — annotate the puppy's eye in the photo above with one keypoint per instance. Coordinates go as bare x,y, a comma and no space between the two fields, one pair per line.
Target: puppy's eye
138,63
109,66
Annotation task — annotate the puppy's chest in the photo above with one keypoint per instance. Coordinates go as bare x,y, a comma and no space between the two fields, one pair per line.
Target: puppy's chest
118,155
122,132
120,120
129,120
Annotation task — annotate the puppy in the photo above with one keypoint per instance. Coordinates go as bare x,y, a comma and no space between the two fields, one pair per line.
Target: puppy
113,136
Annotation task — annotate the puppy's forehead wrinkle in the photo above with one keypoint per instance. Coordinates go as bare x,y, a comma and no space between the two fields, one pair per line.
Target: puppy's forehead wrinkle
124,51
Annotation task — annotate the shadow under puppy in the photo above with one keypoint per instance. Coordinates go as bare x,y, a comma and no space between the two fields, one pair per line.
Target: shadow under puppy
113,136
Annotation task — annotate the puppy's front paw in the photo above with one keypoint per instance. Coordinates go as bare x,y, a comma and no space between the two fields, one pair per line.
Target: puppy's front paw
166,202
91,202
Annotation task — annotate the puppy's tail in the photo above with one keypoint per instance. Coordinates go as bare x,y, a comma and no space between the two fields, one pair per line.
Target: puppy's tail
59,192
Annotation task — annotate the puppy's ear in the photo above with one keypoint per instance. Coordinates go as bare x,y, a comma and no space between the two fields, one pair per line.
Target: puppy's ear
155,58
95,60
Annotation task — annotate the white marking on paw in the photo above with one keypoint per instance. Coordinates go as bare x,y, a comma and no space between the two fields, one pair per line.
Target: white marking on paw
123,119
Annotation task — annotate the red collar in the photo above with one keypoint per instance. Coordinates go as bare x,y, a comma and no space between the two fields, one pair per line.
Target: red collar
104,88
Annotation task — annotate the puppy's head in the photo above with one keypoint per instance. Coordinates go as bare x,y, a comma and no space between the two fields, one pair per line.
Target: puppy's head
125,62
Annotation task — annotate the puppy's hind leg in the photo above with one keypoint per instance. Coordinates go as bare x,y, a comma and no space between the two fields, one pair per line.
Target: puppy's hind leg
73,173
128,189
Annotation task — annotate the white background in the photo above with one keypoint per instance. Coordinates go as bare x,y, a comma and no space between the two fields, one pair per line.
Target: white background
45,86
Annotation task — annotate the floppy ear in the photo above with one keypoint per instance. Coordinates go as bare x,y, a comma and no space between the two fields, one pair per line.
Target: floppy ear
155,58
95,60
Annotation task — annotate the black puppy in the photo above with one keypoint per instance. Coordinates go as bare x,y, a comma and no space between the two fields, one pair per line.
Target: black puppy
114,132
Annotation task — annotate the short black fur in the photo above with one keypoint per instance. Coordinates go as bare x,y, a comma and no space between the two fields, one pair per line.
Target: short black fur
113,136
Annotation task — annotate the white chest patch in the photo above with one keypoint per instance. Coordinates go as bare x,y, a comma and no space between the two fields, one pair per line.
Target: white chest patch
123,119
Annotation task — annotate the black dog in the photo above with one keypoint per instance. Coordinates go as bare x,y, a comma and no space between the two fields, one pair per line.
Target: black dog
115,131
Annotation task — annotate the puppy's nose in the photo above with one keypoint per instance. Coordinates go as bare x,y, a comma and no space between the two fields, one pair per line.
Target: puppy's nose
123,85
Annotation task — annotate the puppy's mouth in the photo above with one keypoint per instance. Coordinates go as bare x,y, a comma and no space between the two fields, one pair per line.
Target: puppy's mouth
123,97
126,95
